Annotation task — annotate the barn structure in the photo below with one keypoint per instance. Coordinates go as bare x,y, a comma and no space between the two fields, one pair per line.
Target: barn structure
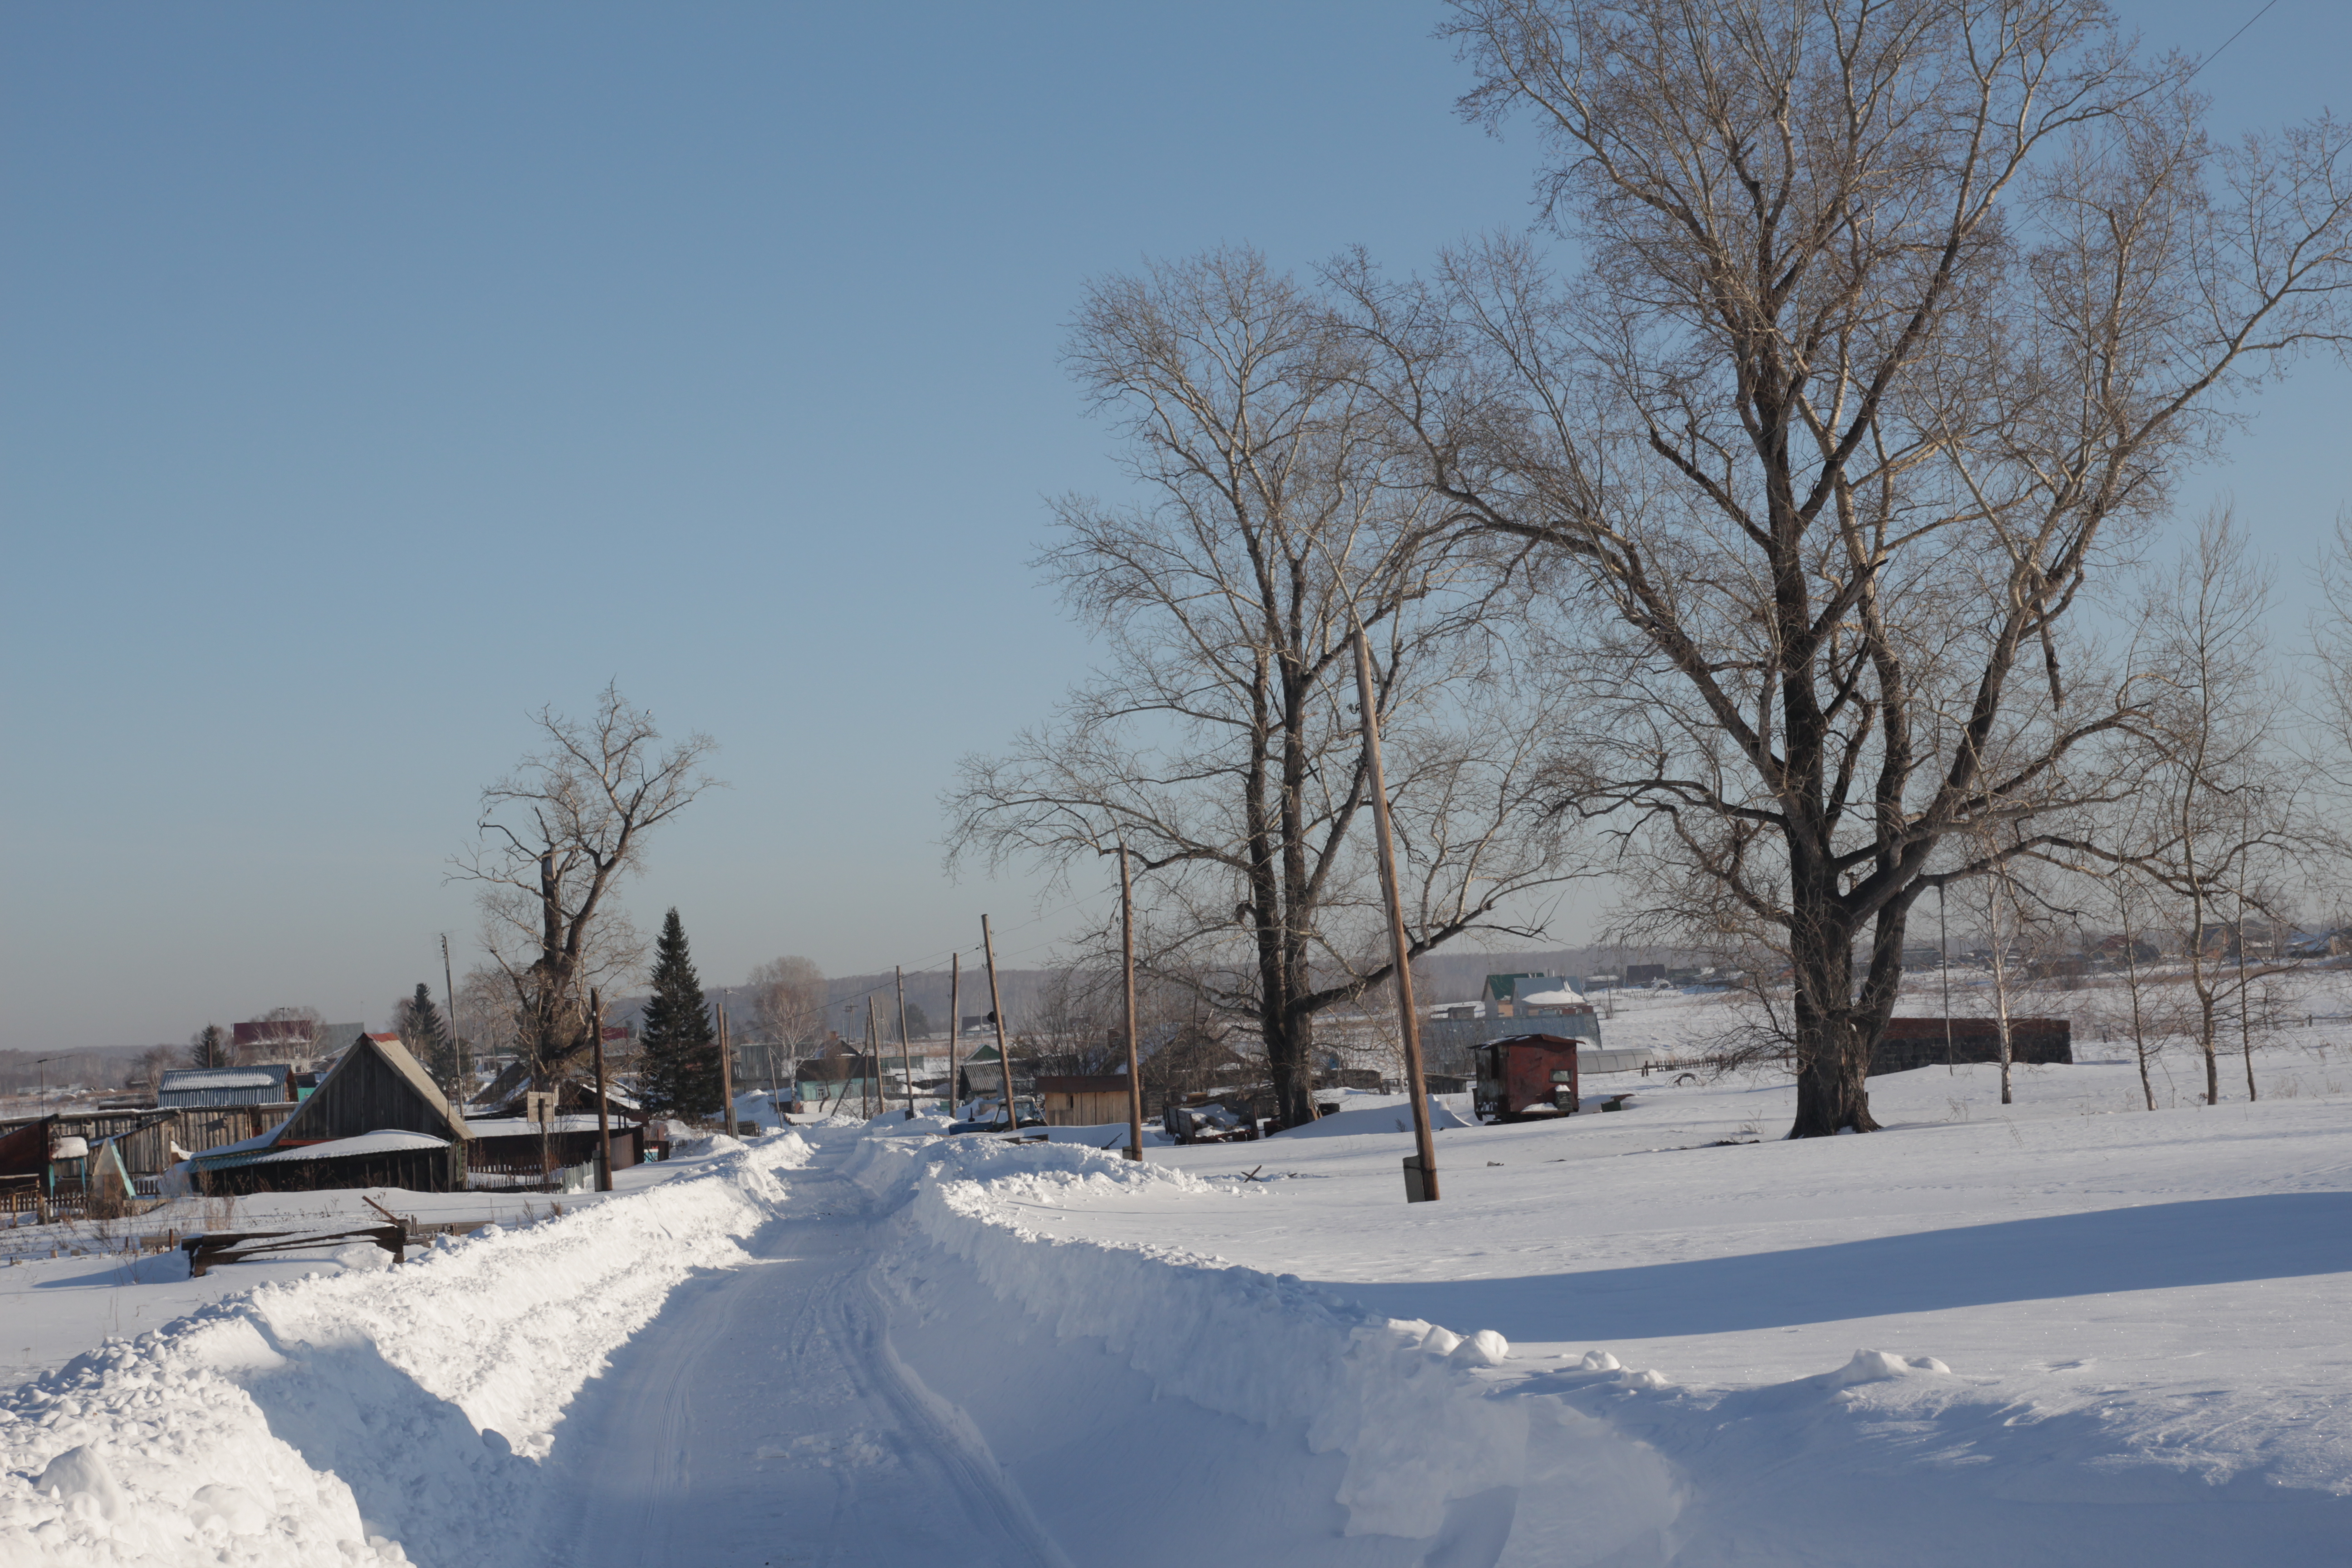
376,1120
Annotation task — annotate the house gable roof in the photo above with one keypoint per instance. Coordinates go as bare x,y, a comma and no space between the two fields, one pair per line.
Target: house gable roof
387,1050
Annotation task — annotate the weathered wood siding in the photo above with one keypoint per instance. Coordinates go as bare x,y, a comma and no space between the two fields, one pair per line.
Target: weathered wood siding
144,1138
364,1094
416,1170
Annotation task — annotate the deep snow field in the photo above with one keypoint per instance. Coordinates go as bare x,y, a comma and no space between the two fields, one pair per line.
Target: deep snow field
2066,1330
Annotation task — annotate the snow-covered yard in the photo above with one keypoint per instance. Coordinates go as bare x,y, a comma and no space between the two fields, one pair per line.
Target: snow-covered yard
2066,1331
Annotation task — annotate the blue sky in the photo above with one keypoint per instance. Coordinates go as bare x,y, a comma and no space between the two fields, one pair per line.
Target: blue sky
375,375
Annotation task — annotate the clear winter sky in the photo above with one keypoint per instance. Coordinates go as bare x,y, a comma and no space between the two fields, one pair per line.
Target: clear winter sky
374,374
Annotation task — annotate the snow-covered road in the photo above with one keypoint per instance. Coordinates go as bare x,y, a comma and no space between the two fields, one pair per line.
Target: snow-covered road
763,1418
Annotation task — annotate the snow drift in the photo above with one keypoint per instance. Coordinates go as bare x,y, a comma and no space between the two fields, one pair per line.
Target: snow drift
386,1416
1414,1445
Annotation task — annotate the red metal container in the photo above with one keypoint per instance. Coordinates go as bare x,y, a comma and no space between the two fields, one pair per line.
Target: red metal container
1524,1078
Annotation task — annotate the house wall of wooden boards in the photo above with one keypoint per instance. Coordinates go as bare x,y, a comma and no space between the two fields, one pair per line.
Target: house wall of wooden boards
144,1138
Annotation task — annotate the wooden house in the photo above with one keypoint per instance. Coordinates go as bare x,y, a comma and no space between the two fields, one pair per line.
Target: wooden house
375,1121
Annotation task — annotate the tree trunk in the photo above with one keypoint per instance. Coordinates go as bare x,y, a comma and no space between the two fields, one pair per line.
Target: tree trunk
2131,980
1289,1048
1834,1037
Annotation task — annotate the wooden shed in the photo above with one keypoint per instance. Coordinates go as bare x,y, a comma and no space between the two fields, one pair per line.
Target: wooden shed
1911,1043
1083,1099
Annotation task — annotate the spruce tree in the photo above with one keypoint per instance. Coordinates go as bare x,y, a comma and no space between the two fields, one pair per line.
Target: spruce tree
678,1048
427,1038
209,1047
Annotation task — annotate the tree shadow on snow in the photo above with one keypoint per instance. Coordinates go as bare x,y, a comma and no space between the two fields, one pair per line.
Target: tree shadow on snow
2154,1247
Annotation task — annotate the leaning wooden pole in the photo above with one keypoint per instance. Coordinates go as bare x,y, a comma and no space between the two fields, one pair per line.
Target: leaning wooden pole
1401,951
996,1011
603,1113
955,1025
1127,963
726,1076
906,1050
871,1078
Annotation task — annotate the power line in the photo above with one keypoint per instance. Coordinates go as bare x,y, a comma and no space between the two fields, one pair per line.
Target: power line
2232,38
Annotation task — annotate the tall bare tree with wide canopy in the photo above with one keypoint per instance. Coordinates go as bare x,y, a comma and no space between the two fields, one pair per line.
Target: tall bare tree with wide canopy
1218,741
1897,319
556,836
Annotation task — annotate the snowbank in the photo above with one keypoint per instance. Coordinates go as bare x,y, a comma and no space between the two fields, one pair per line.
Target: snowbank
389,1417
1390,1114
1401,1402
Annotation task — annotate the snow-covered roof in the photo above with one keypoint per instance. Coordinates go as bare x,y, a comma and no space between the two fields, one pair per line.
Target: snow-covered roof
261,1149
259,1140
1563,997
389,1141
517,1126
266,1075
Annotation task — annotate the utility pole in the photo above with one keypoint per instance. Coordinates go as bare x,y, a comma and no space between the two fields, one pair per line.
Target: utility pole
604,1111
1420,1170
1127,962
870,1080
906,1049
955,1024
456,1040
726,1072
996,1011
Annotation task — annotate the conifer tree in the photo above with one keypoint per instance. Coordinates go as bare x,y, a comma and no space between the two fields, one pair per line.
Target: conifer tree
679,1048
209,1047
427,1038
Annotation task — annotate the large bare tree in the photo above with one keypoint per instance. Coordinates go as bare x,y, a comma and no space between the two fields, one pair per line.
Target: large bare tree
556,836
787,997
1894,320
1218,741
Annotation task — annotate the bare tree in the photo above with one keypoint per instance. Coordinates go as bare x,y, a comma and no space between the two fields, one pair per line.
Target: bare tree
556,835
1219,743
2228,795
1891,318
787,1000
153,1062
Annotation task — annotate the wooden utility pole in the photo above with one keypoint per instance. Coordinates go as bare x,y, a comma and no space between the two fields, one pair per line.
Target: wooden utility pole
726,1072
906,1049
1420,1170
996,1011
456,1041
1127,962
955,1024
870,1080
603,1113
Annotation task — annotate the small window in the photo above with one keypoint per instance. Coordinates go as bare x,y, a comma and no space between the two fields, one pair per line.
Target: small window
1563,1075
